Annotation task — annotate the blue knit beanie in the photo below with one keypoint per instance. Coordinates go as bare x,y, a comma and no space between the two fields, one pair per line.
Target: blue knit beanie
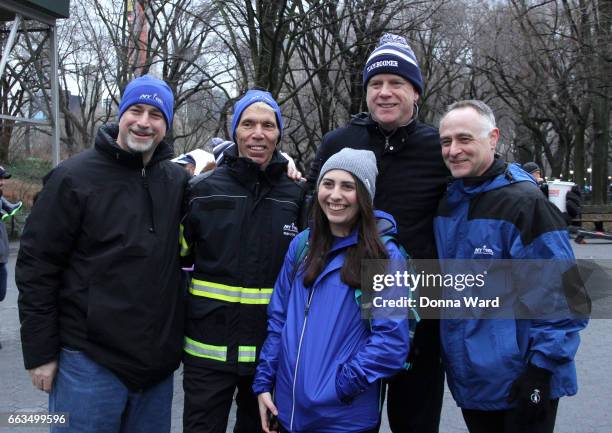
151,91
251,97
393,55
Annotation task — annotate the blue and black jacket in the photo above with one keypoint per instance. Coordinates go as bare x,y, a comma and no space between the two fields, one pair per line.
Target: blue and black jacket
321,360
503,215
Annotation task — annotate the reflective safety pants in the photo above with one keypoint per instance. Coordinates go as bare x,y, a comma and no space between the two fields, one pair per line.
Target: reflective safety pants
208,399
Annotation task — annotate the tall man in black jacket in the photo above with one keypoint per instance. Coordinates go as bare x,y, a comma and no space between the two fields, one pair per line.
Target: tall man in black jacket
411,181
98,274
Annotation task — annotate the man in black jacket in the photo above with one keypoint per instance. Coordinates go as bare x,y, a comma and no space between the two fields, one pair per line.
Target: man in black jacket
239,222
98,274
411,181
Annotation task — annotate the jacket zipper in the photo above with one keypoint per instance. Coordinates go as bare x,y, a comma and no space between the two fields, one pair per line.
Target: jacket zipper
297,360
145,183
387,137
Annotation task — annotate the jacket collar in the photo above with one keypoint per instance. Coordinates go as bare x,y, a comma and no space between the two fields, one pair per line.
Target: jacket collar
106,143
365,119
386,226
499,175
247,172
384,222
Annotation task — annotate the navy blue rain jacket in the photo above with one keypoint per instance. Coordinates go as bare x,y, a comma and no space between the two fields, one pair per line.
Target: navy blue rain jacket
325,367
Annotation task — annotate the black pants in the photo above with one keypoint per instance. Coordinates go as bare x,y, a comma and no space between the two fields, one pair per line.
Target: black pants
3,275
208,400
507,421
282,430
414,397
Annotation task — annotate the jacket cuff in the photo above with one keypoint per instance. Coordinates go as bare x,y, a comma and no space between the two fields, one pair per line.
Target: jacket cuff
347,385
33,358
260,388
542,361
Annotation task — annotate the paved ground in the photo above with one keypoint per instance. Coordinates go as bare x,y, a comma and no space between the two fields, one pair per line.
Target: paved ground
587,412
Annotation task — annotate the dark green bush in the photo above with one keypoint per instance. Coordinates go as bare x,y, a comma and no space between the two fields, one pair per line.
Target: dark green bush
29,169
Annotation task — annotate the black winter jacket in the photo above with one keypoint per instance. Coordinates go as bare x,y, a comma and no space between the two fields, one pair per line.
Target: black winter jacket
98,267
411,179
238,226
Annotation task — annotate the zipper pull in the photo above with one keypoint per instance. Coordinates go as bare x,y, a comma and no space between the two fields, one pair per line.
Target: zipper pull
386,142
308,302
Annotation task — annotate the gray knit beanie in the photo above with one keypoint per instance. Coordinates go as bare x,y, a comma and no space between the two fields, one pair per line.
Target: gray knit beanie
361,163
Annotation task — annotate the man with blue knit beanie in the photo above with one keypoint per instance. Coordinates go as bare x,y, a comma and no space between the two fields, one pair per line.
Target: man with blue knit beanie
412,179
251,97
238,225
98,274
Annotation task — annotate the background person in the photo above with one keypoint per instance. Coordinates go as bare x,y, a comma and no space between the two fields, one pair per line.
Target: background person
4,243
573,197
98,274
534,169
508,374
7,208
187,162
321,360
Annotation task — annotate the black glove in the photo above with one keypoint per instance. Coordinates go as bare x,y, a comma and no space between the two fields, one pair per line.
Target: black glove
572,203
531,391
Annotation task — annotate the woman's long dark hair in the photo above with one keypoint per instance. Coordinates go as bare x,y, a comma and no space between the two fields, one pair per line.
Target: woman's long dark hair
369,245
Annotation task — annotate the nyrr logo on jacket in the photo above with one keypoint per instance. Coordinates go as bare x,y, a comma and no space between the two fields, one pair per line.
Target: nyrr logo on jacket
483,251
290,230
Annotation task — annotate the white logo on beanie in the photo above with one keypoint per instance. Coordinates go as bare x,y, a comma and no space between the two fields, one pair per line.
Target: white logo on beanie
148,97
382,64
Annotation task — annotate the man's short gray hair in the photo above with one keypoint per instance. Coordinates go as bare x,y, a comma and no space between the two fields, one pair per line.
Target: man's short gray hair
481,108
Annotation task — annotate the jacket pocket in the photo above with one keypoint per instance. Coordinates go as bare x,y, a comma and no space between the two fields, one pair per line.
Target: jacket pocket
506,343
283,223
118,324
208,320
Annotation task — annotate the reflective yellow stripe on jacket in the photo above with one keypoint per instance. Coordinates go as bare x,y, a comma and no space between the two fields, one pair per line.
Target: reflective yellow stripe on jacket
185,249
247,353
226,293
201,350
218,353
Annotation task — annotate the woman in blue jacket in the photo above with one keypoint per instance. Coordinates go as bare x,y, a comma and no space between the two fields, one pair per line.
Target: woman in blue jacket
323,363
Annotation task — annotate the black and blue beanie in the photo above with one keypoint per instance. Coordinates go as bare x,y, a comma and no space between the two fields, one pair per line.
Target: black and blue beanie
393,55
251,97
151,91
